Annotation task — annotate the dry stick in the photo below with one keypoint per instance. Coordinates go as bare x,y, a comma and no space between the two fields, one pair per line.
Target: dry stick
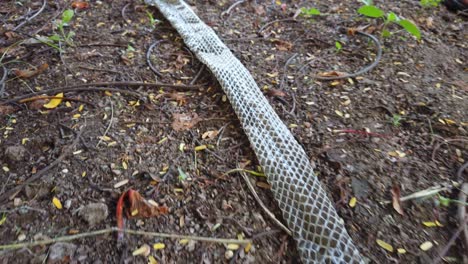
259,201
446,141
87,87
275,21
128,231
197,76
148,60
231,7
462,196
363,70
123,13
109,126
452,240
44,3
2,81
12,192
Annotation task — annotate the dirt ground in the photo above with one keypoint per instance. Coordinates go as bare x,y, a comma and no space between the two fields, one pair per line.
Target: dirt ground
393,131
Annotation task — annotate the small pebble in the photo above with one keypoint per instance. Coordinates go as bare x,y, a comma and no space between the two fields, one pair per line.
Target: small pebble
229,254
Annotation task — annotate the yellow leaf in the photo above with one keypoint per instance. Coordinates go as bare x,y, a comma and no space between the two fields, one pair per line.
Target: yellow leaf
352,202
339,113
248,247
144,250
449,121
432,224
384,245
152,260
80,108
134,212
68,104
183,241
108,93
401,251
124,165
198,148
3,220
232,246
158,246
76,116
24,140
83,174
53,103
426,245
57,203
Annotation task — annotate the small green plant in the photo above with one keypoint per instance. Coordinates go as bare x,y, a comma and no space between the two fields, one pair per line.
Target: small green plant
310,12
338,46
430,3
396,120
152,20
62,36
372,11
182,175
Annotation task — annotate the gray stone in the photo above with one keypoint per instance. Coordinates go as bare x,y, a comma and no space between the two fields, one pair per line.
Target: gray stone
15,153
94,213
60,252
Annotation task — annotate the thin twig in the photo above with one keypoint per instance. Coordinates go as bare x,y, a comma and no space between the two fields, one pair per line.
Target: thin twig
109,126
148,59
265,209
197,76
96,69
123,13
275,21
128,231
446,141
452,240
363,70
460,172
44,3
82,87
231,7
13,191
2,81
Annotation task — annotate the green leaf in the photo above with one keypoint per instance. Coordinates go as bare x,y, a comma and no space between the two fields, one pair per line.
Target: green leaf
3,220
310,11
410,27
55,38
444,201
371,11
130,48
338,45
386,33
67,15
392,17
182,175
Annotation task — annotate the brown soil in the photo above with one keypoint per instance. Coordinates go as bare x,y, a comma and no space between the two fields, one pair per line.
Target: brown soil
131,137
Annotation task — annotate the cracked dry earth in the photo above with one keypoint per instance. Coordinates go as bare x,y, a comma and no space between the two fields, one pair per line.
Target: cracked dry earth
174,145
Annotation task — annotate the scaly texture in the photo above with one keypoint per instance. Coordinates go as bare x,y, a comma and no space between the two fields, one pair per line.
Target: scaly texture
319,231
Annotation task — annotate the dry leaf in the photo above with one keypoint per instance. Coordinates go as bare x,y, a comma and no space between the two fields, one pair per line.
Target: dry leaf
352,202
331,74
259,10
28,73
6,109
275,93
396,199
384,245
210,134
53,103
80,5
144,250
283,45
184,121
263,185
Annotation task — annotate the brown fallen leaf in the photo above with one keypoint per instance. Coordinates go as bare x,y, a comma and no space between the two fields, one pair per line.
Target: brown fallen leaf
80,5
28,73
396,199
6,109
275,93
331,74
283,45
259,10
184,121
263,185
